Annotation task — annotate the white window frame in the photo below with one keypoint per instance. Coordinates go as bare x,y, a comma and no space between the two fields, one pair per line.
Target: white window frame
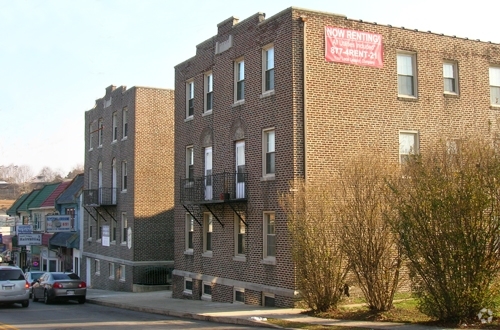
268,66
97,266
208,233
208,93
238,226
268,147
186,290
405,151
204,295
267,216
237,289
239,79
115,126
124,176
121,271
100,132
494,75
124,123
124,226
450,75
190,162
111,271
404,71
189,98
38,221
189,231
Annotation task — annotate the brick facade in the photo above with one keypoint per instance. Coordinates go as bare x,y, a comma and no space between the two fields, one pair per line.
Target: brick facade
345,109
147,148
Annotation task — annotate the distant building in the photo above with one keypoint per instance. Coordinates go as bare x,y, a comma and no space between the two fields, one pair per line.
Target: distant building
128,194
267,101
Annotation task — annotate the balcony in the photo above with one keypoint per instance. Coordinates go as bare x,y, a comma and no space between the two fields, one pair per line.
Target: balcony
100,197
216,188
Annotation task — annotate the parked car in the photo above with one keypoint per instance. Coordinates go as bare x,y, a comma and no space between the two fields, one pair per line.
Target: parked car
31,277
59,286
13,286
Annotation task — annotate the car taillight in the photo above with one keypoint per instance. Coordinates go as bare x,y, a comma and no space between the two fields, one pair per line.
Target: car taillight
82,285
57,285
26,285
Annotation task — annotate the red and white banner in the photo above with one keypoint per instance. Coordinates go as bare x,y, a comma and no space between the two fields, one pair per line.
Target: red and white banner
353,47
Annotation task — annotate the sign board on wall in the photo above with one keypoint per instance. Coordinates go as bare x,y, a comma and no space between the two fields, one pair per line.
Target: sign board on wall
353,47
105,235
24,229
57,223
29,239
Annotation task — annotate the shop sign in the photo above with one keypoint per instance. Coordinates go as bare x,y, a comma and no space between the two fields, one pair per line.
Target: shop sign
57,223
30,239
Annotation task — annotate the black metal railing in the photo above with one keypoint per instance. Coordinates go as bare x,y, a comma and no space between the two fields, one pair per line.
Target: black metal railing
100,196
221,187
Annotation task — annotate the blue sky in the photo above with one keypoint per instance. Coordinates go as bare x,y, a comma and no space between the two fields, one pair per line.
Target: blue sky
58,56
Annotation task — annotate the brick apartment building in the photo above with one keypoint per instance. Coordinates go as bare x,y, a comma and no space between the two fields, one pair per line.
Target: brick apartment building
266,101
128,189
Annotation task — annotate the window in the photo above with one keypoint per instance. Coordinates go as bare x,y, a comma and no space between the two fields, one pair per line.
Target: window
406,74
239,72
190,99
207,233
90,228
239,295
190,163
113,181
37,221
100,133
209,91
124,228
124,176
188,285
91,136
99,227
111,271
269,235
115,126
268,68
450,77
495,86
121,273
112,231
240,235
268,299
269,153
125,122
97,266
189,231
207,291
408,145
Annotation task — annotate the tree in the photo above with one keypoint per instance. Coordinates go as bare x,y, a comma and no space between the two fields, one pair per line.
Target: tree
78,169
49,175
16,174
368,239
448,203
320,264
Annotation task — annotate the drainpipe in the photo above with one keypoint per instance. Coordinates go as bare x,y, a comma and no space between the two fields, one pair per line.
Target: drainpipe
304,89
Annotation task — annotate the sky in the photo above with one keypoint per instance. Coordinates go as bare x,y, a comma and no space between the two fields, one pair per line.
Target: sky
58,56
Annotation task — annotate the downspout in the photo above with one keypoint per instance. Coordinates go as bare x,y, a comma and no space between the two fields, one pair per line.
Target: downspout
303,19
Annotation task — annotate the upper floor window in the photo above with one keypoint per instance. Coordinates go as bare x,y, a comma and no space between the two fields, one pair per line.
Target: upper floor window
408,145
124,176
91,136
125,122
189,99
407,79
495,86
269,235
239,73
450,75
115,126
268,69
124,228
269,152
209,91
190,163
207,232
100,134
189,232
240,235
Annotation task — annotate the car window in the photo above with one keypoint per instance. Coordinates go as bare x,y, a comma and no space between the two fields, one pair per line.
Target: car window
73,276
60,276
36,276
11,275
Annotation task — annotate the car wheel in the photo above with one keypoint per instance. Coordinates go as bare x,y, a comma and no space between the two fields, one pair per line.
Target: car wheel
81,300
46,297
35,299
25,303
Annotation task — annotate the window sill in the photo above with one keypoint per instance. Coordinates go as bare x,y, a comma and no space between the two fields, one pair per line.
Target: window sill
267,93
190,118
112,243
407,98
122,280
124,138
91,149
268,261
99,147
207,254
495,107
111,277
206,298
238,103
123,243
451,95
97,274
114,141
98,240
188,252
207,113
124,191
89,239
187,293
268,178
240,258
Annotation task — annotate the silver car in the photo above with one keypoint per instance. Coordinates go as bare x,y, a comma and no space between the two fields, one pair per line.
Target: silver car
31,277
13,286
59,286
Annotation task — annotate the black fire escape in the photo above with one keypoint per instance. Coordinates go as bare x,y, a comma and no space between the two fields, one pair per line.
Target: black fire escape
214,193
100,200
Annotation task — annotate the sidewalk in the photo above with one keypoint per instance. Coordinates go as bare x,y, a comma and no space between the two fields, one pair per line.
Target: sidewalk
161,302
